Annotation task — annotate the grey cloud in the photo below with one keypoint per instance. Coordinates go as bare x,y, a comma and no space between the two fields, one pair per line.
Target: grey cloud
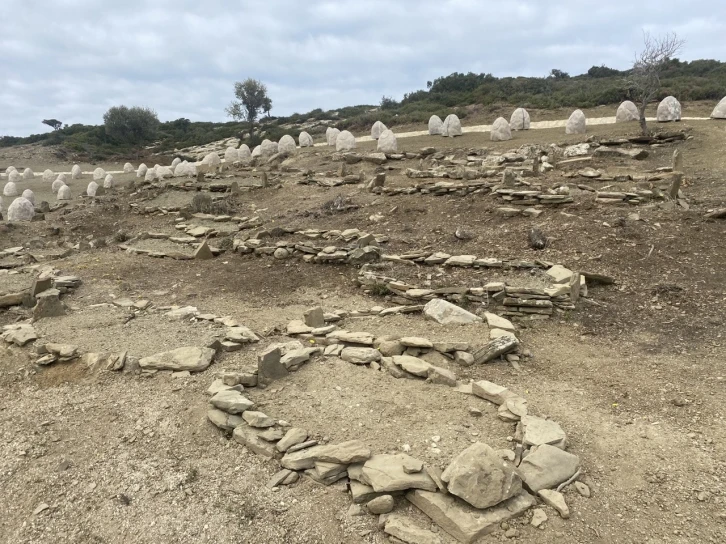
182,57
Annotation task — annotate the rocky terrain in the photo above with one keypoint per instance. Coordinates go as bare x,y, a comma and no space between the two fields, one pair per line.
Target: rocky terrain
513,335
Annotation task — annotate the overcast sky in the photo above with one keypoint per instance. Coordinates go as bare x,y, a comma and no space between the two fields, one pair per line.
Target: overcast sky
73,59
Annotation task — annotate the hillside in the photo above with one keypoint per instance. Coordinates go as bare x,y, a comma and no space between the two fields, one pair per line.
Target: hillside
688,81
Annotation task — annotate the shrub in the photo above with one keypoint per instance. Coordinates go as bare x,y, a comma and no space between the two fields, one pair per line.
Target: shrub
133,125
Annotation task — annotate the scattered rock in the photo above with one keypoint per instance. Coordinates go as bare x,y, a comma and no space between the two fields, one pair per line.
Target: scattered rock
231,401
381,505
385,473
556,500
446,313
547,466
406,531
193,359
360,356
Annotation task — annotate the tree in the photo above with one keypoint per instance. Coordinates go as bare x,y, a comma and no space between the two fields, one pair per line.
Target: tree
251,99
267,106
135,125
648,66
558,74
388,103
55,124
429,84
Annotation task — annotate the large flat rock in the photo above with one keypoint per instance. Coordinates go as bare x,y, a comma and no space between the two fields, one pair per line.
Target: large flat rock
193,359
547,467
385,473
346,453
464,522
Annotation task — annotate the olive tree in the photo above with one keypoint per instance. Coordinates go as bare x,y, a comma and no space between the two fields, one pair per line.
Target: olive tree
55,124
252,98
647,68
135,125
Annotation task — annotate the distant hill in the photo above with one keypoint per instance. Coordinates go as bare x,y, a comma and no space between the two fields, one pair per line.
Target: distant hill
695,80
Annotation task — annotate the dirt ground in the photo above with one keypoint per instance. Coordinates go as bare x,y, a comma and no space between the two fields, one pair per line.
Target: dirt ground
636,375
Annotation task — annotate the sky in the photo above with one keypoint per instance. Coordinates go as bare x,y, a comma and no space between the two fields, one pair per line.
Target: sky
73,59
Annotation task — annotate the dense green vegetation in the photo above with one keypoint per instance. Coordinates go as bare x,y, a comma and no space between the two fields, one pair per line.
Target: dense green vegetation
696,80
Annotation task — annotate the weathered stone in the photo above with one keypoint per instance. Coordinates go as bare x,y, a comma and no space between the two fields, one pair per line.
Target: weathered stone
583,489
627,111
314,317
547,466
387,143
203,252
496,322
251,440
390,348
481,477
520,120
48,304
223,420
407,531
193,359
452,126
280,478
436,126
231,401
305,140
464,522
363,338
446,313
669,109
344,453
495,348
576,124
296,357
719,112
257,419
331,135
492,392
461,260
463,358
360,356
20,334
269,365
441,376
21,209
501,130
556,500
539,516
381,505
537,431
287,145
292,437
377,129
345,141
413,365
385,473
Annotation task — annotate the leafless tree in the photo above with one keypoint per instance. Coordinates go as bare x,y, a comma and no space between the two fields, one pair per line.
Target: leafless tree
648,66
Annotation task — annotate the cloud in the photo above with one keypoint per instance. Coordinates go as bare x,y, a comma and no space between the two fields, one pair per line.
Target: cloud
73,59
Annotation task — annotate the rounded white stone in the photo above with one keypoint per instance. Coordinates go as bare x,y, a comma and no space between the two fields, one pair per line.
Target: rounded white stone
29,195
175,162
76,172
436,126
150,174
244,153
719,112
452,126
576,124
501,130
64,193
141,172
92,188
387,142
57,184
108,182
331,135
669,110
48,175
128,168
98,174
28,174
627,111
63,178
21,209
345,141
305,139
377,129
163,172
14,176
519,120
287,145
9,169
212,159
10,189
257,151
231,155
268,148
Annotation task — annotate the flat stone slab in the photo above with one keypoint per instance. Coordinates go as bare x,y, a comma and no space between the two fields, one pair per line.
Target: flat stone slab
537,431
353,451
407,531
193,359
446,313
413,365
464,522
547,466
363,338
386,473
231,401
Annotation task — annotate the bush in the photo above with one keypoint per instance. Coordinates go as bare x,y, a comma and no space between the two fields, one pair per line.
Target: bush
133,126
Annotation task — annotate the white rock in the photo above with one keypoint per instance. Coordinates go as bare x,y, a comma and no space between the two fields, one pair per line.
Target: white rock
128,168
305,140
501,130
577,150
231,155
76,172
28,174
108,182
345,141
48,175
669,110
719,112
10,189
64,193
244,153
387,142
21,209
627,111
378,129
268,148
257,151
212,159
181,169
14,176
287,145
577,123
10,169
452,126
150,174
519,120
436,126
92,188
57,184
141,172
28,194
445,312
331,135
99,174
175,162
163,172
